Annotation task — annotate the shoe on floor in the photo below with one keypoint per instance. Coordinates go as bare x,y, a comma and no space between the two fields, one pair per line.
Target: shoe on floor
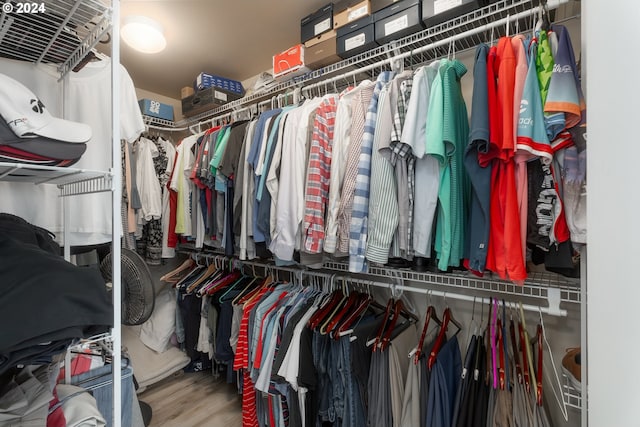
571,366
196,366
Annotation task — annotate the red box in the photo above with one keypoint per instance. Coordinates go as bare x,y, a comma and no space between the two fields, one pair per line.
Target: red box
288,61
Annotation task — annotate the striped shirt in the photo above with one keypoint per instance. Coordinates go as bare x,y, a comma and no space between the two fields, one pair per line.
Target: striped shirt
359,109
360,210
318,175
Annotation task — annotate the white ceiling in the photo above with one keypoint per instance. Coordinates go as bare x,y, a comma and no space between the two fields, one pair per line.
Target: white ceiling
230,38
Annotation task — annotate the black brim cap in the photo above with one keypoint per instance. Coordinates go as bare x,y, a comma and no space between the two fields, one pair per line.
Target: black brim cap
41,146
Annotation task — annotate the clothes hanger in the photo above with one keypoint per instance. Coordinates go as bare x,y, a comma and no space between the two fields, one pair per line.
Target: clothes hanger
188,263
335,297
366,302
514,348
446,318
335,311
440,339
538,340
385,319
524,343
561,403
430,314
502,382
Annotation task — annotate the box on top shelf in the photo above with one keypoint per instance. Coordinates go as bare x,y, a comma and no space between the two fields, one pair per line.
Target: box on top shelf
205,100
186,91
316,23
347,11
205,80
356,37
290,62
398,20
377,5
319,39
322,54
152,108
435,12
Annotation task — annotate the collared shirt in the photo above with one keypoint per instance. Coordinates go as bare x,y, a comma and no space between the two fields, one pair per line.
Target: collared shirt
360,211
403,160
247,249
290,204
359,108
318,175
339,156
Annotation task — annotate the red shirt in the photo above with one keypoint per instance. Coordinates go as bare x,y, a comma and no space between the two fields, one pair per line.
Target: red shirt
504,252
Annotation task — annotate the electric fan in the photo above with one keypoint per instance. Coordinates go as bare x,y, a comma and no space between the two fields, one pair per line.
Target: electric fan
138,293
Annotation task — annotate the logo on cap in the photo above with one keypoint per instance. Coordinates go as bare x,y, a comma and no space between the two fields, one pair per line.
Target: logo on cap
37,106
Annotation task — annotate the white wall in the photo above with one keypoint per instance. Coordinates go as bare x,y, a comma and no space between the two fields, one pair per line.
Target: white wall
611,35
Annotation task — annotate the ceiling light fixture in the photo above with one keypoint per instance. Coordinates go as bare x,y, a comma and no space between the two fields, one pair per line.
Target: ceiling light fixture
143,34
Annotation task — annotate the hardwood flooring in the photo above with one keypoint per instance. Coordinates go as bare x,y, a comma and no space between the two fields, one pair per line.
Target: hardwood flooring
194,400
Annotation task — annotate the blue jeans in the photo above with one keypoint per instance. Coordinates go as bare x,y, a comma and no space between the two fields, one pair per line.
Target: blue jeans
99,382
347,398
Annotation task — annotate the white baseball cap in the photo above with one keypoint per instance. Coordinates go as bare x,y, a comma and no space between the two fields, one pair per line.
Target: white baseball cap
28,117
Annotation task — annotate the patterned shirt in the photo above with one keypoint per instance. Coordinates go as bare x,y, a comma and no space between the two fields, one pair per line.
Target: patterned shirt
360,210
359,108
402,157
318,175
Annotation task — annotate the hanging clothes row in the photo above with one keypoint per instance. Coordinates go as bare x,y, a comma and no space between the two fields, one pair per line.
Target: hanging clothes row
326,352
393,172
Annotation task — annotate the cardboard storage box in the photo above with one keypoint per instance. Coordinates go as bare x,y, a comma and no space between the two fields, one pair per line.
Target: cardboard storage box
157,109
290,61
356,37
322,54
435,12
398,20
319,39
316,23
348,11
205,81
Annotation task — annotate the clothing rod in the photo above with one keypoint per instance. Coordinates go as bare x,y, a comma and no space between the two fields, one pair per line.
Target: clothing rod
460,297
502,21
553,311
167,129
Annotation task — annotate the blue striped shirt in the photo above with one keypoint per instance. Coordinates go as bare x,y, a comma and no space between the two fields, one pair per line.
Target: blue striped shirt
360,212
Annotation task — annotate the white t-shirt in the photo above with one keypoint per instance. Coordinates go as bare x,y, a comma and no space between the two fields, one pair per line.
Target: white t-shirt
181,183
88,100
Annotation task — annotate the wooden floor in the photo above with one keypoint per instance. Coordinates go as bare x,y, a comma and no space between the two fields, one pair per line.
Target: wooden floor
193,400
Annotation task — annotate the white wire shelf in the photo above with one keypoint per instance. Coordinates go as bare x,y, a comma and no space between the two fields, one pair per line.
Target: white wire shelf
465,32
70,181
547,286
571,395
61,32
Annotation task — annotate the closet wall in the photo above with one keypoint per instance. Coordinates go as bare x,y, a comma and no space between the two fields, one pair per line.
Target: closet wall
612,213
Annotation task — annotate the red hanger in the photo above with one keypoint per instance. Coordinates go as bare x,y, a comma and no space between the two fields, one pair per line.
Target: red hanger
525,361
383,324
367,302
501,368
351,302
446,318
431,314
319,315
514,348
